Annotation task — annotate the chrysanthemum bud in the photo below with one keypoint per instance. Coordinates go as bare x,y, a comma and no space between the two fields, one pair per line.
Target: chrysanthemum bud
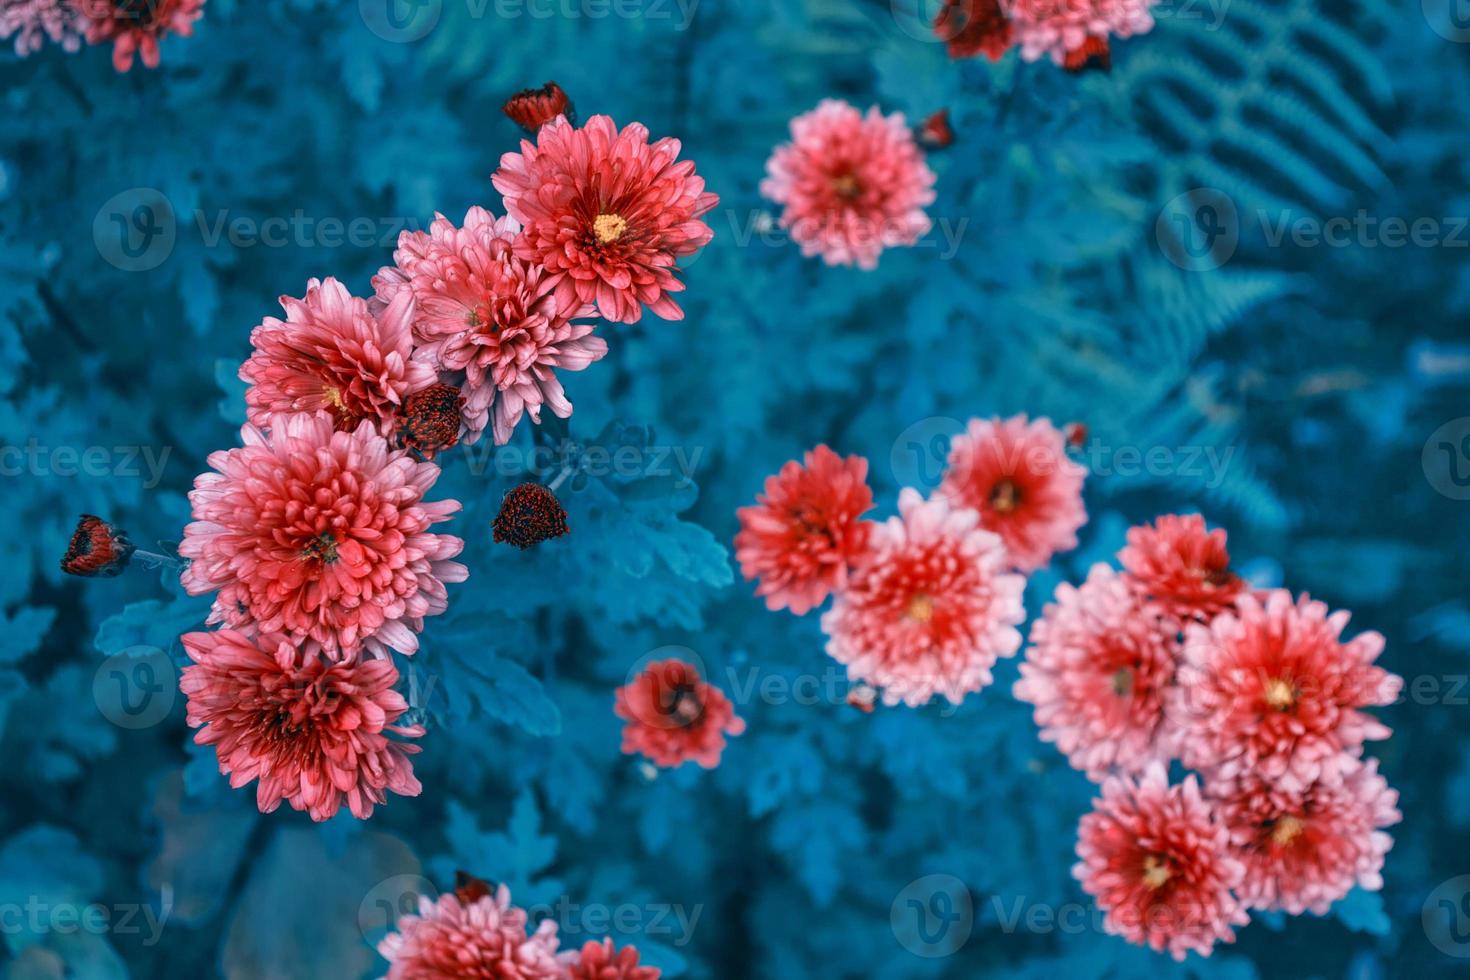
535,107
430,420
529,515
97,549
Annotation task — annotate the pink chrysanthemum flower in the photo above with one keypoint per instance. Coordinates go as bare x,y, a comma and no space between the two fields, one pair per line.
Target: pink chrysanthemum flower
1017,474
323,535
673,716
607,214
471,934
1303,851
806,531
136,26
1182,566
1270,690
484,313
851,185
1157,859
31,21
332,355
1100,664
1061,27
930,609
313,732
602,961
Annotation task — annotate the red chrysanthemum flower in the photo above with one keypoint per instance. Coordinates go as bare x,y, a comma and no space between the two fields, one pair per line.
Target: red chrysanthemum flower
851,185
483,313
1100,664
430,420
972,27
97,549
332,355
1302,851
1182,566
323,535
312,731
533,108
930,608
1157,859
1017,474
136,26
471,938
529,514
673,716
1063,28
1271,691
806,531
602,961
607,214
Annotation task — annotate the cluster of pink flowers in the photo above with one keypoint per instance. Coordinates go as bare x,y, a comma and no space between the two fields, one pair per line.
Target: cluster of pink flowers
133,27
927,601
851,185
316,536
1175,658
1074,33
475,931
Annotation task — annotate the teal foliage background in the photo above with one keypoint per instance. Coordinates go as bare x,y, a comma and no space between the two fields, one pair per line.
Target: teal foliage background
1293,392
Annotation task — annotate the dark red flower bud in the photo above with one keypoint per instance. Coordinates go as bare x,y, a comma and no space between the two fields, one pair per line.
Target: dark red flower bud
971,27
935,132
535,107
1076,434
429,421
97,549
1092,54
468,888
529,515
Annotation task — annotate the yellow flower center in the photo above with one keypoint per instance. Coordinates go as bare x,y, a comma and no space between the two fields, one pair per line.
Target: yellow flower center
1123,682
920,608
1004,496
1286,830
1155,873
609,227
846,186
1280,694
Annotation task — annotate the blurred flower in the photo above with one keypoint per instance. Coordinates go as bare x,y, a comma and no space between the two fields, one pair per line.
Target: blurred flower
322,535
852,185
601,961
496,319
972,27
136,26
31,20
1157,860
806,531
312,731
529,514
1017,474
1179,564
478,935
1098,668
97,549
533,108
1302,851
606,214
331,354
1061,27
673,716
1270,691
930,608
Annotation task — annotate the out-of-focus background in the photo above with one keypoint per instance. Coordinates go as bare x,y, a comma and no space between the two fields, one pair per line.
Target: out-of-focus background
1239,258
